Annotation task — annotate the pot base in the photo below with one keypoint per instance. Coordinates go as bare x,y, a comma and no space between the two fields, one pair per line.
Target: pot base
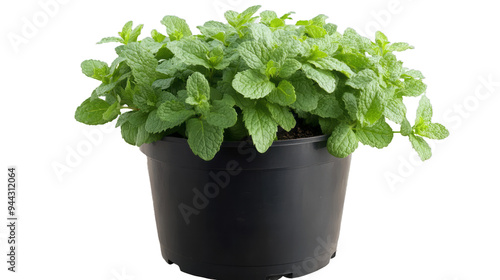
224,272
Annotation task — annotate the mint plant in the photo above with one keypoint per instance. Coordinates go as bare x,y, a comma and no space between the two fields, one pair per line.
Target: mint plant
253,74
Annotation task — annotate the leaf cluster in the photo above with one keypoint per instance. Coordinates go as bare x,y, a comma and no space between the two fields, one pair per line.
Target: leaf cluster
253,74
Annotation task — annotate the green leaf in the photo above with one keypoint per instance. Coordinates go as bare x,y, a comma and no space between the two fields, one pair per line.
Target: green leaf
142,62
137,118
351,105
177,28
191,52
415,74
343,141
328,107
370,106
325,79
261,33
314,31
156,125
393,68
112,112
379,135
424,110
363,79
163,84
222,114
137,135
261,126
399,47
129,133
327,45
91,111
95,69
124,118
351,39
237,20
420,145
433,131
173,113
287,16
381,40
316,54
135,34
142,135
406,128
255,54
330,28
307,97
283,95
171,67
282,116
145,98
105,88
126,30
157,36
330,63
247,14
413,88
198,90
319,20
252,84
111,40
395,110
232,18
203,138
267,16
327,125
357,62
271,69
217,30
289,67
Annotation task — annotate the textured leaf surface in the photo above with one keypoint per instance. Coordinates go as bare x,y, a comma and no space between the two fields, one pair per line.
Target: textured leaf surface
379,135
142,62
433,131
351,105
95,69
172,113
222,114
261,126
395,110
252,84
420,145
91,112
191,52
177,28
330,63
343,141
306,96
282,116
283,95
255,54
325,79
204,138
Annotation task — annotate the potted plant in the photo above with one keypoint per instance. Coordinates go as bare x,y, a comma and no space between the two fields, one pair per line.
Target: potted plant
249,127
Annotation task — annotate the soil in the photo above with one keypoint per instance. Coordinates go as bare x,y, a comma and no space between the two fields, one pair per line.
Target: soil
301,130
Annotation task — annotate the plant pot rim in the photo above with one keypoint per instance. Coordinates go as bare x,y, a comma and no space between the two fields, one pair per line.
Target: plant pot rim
287,142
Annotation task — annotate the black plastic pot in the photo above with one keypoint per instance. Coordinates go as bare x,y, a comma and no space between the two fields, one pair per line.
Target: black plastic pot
246,215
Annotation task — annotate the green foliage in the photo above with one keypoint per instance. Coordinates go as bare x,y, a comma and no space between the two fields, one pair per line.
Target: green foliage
252,75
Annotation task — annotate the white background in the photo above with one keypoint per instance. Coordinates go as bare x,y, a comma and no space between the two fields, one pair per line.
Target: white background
403,220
